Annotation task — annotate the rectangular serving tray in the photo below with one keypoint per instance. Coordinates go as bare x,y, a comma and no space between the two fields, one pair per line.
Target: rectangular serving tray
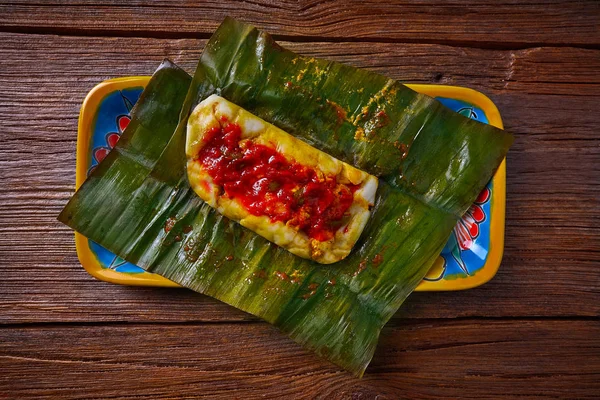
471,257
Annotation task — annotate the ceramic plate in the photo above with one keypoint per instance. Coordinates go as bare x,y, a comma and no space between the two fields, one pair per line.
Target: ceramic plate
470,258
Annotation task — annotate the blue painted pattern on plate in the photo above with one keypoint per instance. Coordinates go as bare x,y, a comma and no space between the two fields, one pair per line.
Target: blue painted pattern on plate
112,117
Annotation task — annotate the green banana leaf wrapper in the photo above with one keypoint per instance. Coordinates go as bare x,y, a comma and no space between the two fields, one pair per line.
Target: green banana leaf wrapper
432,163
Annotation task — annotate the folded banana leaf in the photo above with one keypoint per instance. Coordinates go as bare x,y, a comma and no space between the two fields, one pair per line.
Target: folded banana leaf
432,163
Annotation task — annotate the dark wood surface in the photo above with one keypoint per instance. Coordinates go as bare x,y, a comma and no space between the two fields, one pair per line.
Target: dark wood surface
533,331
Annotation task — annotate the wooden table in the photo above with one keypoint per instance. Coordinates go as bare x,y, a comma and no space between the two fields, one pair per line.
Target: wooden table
533,331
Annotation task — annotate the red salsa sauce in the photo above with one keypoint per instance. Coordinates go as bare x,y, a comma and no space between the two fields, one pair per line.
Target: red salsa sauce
266,183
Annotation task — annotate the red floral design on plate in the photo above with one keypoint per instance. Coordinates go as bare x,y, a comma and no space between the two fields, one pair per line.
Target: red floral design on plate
467,229
112,138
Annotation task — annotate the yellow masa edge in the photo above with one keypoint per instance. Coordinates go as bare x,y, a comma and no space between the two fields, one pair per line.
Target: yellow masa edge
91,264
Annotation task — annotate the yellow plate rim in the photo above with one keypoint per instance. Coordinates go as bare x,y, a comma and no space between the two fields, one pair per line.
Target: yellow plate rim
86,120
90,263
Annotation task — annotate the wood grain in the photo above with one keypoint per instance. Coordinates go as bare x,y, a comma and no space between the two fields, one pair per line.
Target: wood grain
552,251
507,24
533,331
416,359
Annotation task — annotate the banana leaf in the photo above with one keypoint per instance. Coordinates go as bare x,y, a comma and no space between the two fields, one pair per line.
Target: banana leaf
432,163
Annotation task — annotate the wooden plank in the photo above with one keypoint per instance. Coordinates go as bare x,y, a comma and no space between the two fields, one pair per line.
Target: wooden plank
432,359
480,24
545,95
